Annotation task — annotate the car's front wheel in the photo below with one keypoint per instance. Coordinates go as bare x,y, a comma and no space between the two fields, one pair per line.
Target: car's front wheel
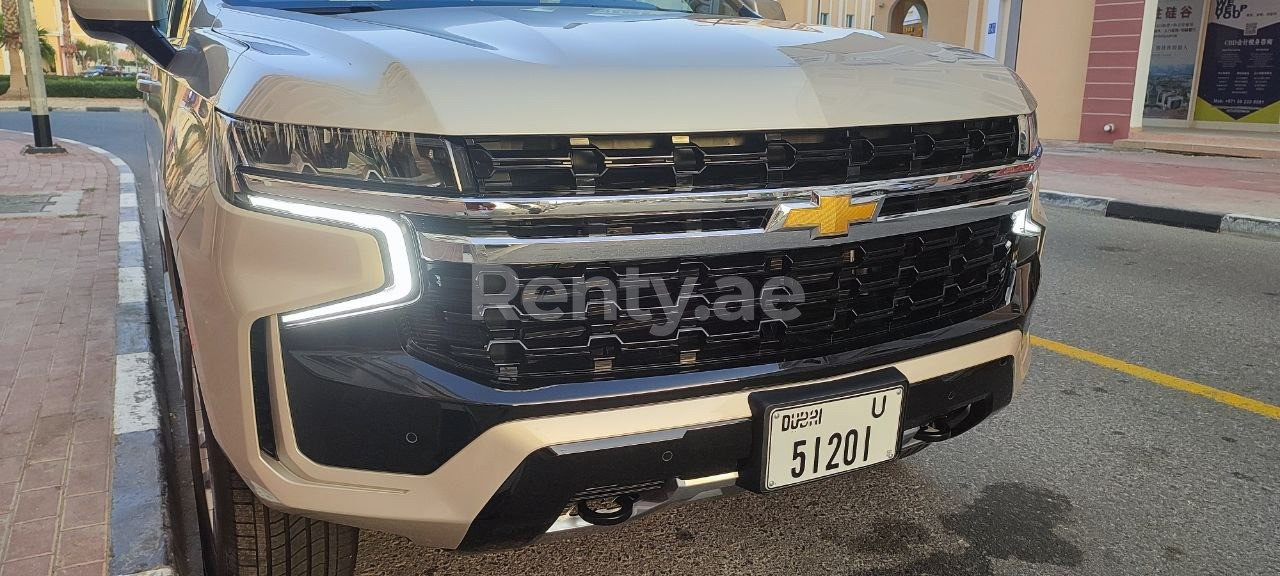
239,534
251,539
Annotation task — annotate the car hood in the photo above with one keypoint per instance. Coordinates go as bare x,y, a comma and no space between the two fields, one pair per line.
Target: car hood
575,70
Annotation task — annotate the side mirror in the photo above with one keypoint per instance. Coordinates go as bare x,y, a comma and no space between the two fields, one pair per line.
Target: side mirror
135,21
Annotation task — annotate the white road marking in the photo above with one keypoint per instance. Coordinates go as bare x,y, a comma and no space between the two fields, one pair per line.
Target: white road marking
132,285
129,232
135,403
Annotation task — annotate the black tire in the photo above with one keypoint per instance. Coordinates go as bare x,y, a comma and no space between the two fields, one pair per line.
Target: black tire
251,539
241,536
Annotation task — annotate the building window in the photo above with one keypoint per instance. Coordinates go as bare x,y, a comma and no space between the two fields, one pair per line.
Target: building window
848,20
823,17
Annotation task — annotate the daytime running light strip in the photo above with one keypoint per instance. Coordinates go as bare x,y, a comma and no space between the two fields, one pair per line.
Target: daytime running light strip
401,286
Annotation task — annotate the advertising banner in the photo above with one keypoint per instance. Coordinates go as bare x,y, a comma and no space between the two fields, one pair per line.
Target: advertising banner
1238,80
1173,59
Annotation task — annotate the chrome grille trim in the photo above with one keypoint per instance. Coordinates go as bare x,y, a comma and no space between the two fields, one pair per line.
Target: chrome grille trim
506,250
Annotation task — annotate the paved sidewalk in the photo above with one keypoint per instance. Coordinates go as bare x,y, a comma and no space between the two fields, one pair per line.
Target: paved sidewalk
1198,183
79,104
81,483
57,362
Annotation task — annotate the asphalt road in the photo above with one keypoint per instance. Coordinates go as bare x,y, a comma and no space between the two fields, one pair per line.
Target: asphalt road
1090,471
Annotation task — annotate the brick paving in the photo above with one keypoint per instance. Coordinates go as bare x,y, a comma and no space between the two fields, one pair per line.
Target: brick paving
1201,183
57,364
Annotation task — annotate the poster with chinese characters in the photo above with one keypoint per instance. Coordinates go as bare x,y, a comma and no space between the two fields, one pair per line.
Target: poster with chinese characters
1238,80
1173,59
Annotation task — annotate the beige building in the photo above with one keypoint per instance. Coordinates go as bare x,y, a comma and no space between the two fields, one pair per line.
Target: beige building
1047,41
49,18
966,23
1106,70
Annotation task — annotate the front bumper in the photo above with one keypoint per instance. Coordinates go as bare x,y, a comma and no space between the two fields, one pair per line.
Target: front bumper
491,487
664,467
510,484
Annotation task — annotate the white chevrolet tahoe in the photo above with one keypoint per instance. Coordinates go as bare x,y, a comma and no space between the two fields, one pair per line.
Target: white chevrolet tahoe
485,272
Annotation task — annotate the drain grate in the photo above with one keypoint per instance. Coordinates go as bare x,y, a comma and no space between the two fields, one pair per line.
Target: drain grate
24,204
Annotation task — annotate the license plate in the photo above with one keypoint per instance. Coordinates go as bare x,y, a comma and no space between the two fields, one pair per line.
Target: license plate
811,440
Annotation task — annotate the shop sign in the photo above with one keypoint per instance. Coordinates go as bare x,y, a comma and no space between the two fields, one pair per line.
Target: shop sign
1238,80
1173,59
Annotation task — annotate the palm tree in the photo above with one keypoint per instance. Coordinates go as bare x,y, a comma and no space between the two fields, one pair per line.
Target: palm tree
48,54
12,40
68,46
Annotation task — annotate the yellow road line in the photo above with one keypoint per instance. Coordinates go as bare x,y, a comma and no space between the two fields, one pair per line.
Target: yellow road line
1228,398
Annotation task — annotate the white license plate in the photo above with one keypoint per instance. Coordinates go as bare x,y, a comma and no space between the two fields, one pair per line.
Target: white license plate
824,438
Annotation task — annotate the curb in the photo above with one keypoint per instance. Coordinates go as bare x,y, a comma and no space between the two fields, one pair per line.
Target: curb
77,109
1237,224
139,536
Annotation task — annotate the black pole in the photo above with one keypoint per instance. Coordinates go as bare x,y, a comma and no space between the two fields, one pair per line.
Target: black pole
42,130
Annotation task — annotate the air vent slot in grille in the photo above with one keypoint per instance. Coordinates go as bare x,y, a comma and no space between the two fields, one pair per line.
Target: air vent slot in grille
532,228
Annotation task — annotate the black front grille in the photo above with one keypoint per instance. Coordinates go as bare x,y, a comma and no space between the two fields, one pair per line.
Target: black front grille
855,295
601,165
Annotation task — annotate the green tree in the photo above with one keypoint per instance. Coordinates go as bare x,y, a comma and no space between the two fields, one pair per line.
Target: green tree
48,54
98,53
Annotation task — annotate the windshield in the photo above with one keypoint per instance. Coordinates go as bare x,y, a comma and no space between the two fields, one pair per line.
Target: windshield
744,8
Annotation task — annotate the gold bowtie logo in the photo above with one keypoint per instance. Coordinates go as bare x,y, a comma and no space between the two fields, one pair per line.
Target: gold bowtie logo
831,217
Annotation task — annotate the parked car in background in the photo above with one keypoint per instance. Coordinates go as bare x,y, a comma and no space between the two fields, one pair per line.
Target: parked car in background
102,70
484,273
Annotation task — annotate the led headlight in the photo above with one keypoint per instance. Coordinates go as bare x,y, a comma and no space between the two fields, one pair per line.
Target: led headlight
371,159
1028,134
311,169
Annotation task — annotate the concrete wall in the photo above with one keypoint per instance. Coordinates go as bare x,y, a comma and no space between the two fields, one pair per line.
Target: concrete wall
807,11
795,9
1112,68
1053,53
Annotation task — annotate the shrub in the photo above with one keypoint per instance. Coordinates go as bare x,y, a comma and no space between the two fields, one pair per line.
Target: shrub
75,87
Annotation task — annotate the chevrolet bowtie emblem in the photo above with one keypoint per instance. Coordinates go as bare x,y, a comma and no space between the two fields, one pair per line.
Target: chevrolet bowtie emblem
827,216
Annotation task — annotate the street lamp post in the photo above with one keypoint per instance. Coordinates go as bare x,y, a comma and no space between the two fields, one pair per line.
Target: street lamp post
35,79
